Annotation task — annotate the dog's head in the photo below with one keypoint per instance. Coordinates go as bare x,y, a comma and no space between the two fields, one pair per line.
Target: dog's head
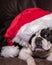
41,41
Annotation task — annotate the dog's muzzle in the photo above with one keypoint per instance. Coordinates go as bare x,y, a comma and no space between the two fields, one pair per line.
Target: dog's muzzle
38,42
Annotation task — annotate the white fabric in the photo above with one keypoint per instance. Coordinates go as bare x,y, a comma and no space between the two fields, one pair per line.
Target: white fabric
9,51
30,28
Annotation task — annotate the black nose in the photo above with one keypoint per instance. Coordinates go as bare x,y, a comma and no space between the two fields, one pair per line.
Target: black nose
38,42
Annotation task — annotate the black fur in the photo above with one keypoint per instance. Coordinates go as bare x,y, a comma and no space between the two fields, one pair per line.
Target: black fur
44,32
47,34
17,44
31,38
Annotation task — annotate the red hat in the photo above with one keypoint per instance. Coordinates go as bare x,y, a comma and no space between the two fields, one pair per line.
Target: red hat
27,16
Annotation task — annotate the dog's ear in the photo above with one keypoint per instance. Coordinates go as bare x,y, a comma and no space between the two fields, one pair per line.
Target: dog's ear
17,44
31,38
50,32
50,38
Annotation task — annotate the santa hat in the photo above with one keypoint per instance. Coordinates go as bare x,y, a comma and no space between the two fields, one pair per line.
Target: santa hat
26,23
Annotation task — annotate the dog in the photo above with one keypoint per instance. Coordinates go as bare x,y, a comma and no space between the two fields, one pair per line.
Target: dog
39,45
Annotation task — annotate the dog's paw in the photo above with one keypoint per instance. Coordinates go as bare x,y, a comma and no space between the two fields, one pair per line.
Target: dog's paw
31,61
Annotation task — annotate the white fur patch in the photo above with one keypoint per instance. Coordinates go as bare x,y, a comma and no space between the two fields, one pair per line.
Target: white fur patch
25,54
46,45
49,58
9,51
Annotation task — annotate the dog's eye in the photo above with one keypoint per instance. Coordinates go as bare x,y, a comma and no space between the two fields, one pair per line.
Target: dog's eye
45,35
44,32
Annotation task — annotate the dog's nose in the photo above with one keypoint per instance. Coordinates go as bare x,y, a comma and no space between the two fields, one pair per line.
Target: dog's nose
38,42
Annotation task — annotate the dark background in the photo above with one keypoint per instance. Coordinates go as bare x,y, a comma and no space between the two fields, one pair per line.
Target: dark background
45,4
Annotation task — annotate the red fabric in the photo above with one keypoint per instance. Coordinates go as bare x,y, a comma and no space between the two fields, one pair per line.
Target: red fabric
25,17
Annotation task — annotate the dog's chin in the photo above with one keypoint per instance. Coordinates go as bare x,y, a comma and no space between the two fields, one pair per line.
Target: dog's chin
41,53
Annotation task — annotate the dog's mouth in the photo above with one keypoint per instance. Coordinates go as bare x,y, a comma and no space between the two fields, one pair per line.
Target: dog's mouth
41,53
41,50
38,49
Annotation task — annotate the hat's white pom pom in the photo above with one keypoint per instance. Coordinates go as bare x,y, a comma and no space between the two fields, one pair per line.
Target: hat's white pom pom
9,51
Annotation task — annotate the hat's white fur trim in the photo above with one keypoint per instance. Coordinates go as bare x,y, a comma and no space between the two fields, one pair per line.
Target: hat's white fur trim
9,51
28,29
